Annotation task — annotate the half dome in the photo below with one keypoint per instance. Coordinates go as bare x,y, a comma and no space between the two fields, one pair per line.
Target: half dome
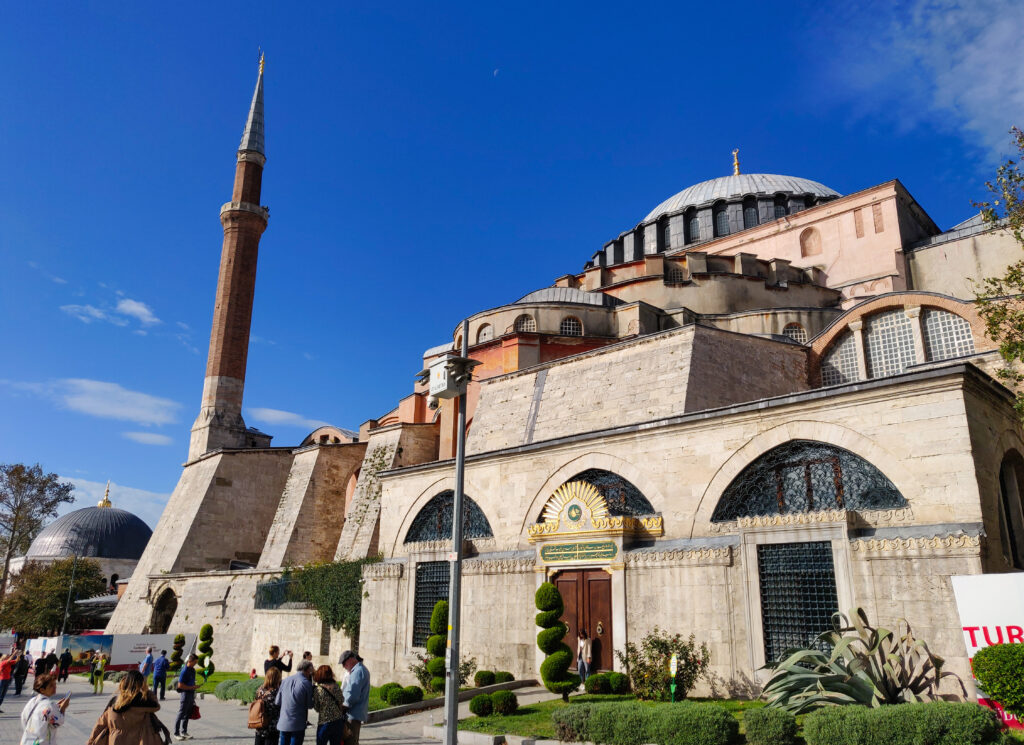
100,532
744,184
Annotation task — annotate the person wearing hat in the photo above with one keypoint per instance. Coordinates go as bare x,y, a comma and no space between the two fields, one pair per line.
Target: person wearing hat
356,692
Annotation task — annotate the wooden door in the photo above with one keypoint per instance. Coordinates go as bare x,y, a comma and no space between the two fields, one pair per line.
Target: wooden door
587,595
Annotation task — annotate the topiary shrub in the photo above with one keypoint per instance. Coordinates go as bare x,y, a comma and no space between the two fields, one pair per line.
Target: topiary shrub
383,691
504,702
179,648
618,682
398,696
481,705
503,676
692,724
224,688
554,671
571,723
483,678
621,723
598,683
246,690
1000,670
437,643
769,727
933,723
205,667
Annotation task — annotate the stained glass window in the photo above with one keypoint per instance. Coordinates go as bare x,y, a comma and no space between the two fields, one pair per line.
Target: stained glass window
431,586
806,476
622,497
946,335
434,521
888,343
840,364
798,594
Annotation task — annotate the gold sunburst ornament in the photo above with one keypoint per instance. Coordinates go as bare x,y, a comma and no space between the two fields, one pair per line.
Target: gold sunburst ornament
583,494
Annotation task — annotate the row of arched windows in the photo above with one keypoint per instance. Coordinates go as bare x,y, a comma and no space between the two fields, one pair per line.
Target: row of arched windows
720,219
887,344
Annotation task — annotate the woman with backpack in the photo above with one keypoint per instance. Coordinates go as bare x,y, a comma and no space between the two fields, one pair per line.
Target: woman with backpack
130,717
264,711
330,705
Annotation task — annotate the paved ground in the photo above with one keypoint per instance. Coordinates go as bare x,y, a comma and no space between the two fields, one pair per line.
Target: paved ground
222,723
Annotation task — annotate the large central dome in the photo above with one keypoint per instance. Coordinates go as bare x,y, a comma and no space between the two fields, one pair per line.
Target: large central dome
100,532
737,186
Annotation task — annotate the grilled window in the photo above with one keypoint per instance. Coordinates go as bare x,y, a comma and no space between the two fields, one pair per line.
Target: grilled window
749,217
622,497
798,594
525,323
780,210
946,335
675,275
796,332
840,364
889,343
571,327
666,233
806,476
434,521
693,230
431,586
721,223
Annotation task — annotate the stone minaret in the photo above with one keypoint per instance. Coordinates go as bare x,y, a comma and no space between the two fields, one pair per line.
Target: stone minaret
219,424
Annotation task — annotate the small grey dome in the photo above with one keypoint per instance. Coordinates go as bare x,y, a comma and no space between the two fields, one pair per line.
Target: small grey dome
101,532
728,187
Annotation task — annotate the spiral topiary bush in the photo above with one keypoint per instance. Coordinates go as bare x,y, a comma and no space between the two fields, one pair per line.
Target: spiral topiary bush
437,643
554,671
205,651
179,648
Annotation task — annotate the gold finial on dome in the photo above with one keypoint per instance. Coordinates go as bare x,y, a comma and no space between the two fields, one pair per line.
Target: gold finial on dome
736,162
105,502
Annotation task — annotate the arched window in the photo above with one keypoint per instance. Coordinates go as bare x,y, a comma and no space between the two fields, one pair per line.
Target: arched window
946,335
1011,511
621,496
806,476
780,207
810,242
721,222
796,332
434,521
525,324
666,235
692,227
839,365
163,612
889,343
750,218
571,326
484,333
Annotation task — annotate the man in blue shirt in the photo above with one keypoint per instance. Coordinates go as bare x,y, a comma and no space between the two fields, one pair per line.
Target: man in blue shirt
187,688
160,674
146,666
356,692
295,699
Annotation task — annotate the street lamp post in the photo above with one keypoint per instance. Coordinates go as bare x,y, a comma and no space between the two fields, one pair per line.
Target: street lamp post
71,586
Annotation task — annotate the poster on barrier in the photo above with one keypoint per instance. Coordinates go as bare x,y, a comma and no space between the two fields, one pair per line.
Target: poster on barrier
7,642
124,651
991,610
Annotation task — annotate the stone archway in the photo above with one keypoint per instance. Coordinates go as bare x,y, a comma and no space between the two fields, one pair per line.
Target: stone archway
163,611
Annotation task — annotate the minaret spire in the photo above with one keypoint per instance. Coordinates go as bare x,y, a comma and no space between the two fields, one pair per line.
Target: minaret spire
220,424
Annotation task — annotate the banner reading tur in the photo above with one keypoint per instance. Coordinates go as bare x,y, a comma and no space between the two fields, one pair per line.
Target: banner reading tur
991,612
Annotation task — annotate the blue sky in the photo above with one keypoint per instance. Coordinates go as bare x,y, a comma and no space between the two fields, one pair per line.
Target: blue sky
425,161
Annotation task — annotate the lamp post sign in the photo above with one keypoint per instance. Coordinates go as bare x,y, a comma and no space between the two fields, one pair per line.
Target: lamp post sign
672,667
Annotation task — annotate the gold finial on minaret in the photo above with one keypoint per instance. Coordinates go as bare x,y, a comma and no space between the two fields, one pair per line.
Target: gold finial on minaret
105,502
261,62
736,162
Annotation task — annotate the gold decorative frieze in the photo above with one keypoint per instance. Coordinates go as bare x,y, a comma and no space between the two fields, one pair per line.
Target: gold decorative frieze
578,509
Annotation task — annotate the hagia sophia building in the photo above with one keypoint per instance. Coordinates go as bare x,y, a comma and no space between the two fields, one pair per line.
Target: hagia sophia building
765,402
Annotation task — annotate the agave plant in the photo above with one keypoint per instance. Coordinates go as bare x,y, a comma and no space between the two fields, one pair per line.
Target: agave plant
865,665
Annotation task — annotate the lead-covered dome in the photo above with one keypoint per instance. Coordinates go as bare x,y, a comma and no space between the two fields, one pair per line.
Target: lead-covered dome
744,184
101,532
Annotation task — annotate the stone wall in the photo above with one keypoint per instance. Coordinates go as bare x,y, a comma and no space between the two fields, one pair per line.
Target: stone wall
299,630
954,267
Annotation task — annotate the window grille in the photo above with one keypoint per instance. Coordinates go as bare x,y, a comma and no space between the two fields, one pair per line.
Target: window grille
721,223
486,333
796,332
622,497
694,230
806,476
675,276
780,211
431,586
525,323
889,343
571,327
798,594
434,521
946,335
840,364
667,235
749,217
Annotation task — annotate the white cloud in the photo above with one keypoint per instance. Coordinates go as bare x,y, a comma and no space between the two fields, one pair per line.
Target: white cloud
59,280
90,313
138,310
148,505
282,418
105,400
148,438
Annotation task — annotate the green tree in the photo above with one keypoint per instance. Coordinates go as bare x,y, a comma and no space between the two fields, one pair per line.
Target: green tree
39,592
28,497
1001,299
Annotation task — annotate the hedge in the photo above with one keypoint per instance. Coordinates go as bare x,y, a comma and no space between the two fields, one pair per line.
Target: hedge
769,727
504,702
246,690
633,723
1000,670
398,696
225,689
383,691
618,682
933,723
481,705
598,684
503,676
483,678
571,722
